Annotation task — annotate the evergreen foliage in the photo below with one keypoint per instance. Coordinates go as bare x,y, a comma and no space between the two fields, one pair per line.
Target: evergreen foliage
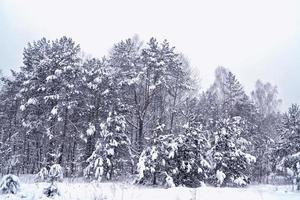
138,112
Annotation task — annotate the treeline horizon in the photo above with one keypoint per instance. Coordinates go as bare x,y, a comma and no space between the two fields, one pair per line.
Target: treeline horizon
139,112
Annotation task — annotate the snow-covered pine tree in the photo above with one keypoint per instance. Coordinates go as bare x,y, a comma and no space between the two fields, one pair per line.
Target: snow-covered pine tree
36,67
151,80
195,167
288,152
68,111
229,94
231,131
51,101
156,161
128,75
55,174
112,156
231,161
11,136
35,108
97,94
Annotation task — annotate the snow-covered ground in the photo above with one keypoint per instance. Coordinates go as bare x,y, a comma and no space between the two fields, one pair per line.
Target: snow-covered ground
120,191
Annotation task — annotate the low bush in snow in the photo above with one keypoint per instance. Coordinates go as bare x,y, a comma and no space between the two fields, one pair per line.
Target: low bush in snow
55,173
173,161
188,159
10,184
51,190
290,166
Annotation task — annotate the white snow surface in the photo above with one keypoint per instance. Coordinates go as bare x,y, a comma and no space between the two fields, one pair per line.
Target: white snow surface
80,190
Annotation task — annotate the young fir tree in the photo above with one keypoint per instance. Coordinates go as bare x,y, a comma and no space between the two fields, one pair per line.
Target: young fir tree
54,175
112,156
231,131
229,154
175,160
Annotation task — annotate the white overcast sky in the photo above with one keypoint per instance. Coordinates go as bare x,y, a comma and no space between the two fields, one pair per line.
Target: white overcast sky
255,39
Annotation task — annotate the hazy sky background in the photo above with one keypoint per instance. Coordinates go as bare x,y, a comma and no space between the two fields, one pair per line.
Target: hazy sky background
255,39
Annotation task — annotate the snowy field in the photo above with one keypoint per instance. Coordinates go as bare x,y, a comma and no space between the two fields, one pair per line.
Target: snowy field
76,190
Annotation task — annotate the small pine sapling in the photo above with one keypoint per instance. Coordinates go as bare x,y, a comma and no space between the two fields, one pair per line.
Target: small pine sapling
55,174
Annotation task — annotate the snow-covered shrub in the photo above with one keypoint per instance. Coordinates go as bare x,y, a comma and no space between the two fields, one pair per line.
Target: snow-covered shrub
112,156
231,162
290,166
240,182
10,184
192,152
178,160
55,173
42,175
51,190
288,149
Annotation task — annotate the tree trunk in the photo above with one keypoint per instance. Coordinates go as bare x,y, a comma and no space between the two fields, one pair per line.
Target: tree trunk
173,114
73,158
63,138
141,135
